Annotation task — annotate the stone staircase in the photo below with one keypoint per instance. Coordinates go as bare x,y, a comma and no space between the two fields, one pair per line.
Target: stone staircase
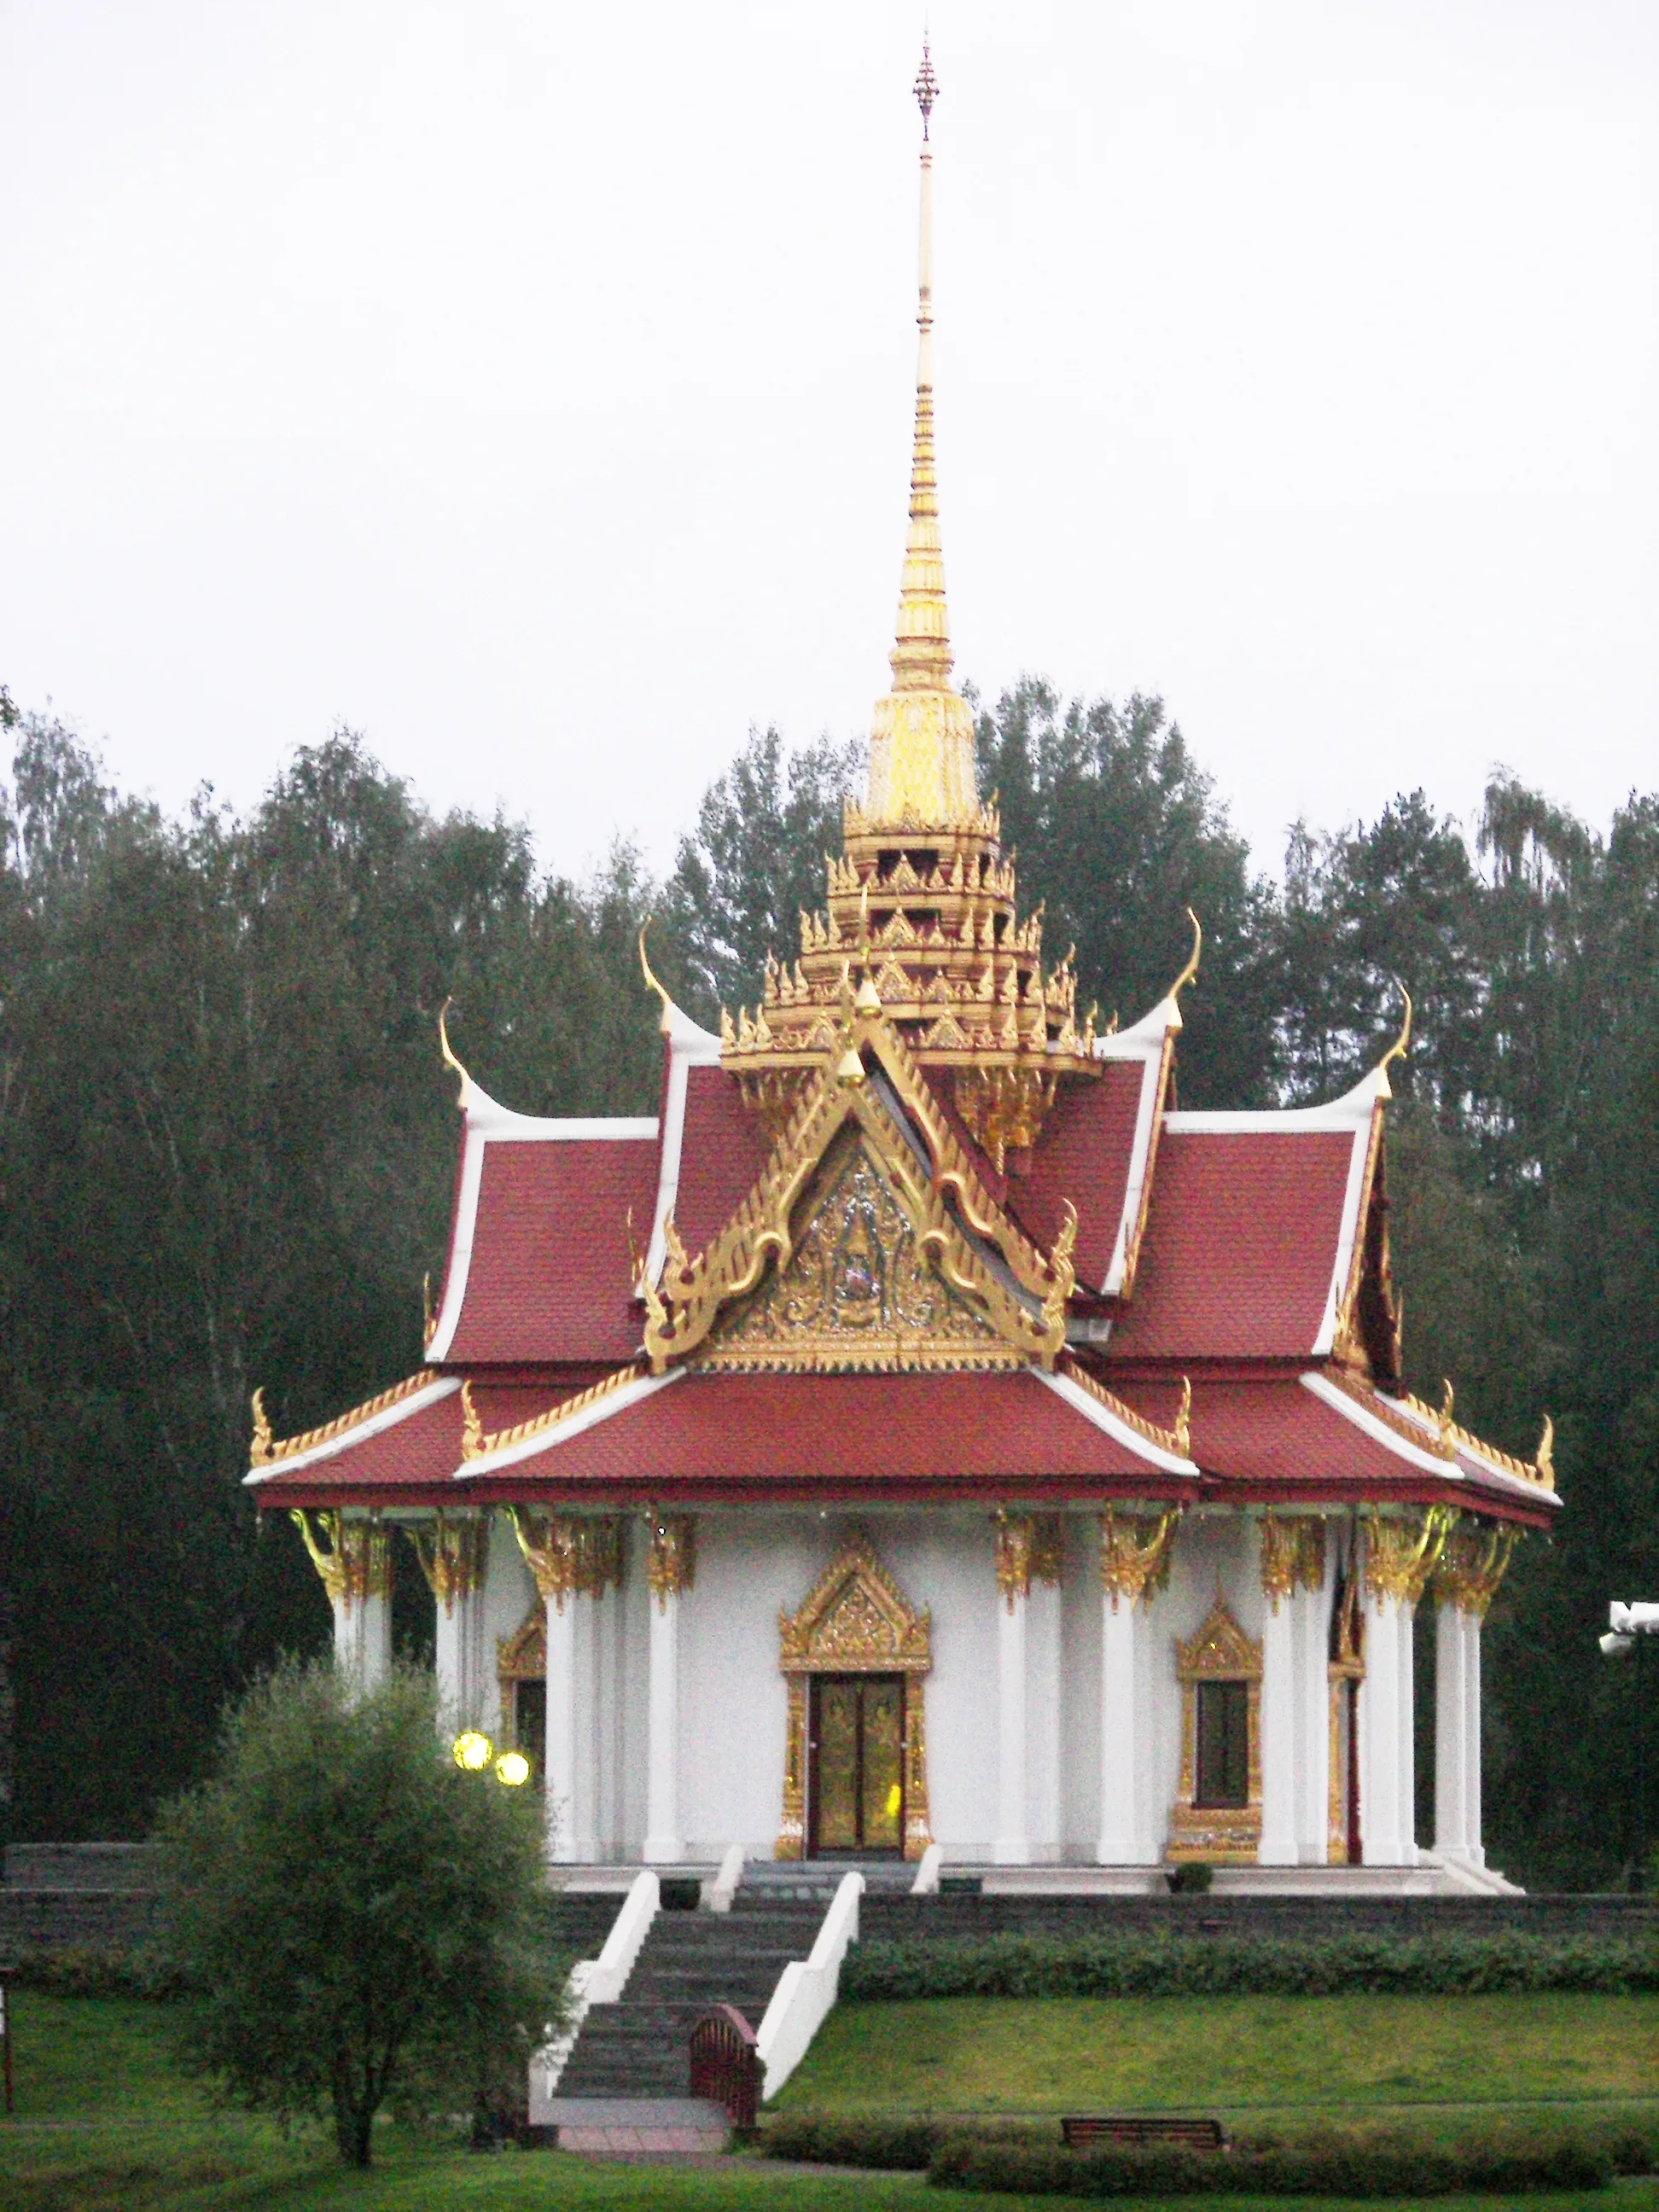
638,2047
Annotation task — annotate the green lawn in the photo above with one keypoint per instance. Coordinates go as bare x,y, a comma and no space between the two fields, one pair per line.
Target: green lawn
105,2123
1590,2055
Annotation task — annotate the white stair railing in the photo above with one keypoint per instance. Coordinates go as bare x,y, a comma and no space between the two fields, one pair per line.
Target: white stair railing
806,1994
596,1981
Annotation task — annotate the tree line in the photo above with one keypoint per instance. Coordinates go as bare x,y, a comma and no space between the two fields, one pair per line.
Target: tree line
227,1153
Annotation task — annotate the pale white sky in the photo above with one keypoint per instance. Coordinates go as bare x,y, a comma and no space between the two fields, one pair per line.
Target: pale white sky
530,385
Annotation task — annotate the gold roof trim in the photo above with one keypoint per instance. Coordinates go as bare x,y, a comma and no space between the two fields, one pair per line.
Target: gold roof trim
1430,1433
539,1424
267,1450
1455,1438
1169,1440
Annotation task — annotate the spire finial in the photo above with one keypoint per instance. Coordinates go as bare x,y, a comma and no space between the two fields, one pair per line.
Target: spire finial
921,743
926,85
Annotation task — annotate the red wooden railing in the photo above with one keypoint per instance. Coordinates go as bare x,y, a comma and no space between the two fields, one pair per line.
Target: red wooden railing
726,2065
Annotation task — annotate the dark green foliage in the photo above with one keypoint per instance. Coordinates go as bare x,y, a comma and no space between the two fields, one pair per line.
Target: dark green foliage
1334,2168
1139,1964
1118,831
226,1157
894,2146
99,1972
352,1916
1191,1879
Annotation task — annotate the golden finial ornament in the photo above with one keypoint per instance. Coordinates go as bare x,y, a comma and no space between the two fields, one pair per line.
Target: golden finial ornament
651,981
471,1427
258,1453
1182,1429
1401,1044
921,740
449,1052
1544,1458
1448,1426
1191,968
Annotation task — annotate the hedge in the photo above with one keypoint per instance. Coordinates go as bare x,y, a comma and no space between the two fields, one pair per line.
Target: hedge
1387,2160
1334,2169
96,1971
1151,1964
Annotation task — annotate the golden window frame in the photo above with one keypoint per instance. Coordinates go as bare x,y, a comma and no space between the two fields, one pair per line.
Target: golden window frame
1224,1835
521,1657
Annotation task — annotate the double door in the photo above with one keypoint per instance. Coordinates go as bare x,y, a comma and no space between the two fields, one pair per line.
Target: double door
855,1769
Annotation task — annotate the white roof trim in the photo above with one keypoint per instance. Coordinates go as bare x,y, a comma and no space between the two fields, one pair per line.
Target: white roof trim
1352,1109
1489,1469
688,1046
376,1424
1084,1402
488,1122
1145,1042
1331,1395
548,1439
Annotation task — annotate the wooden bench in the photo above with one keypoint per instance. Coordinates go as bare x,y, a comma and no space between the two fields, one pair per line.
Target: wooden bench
1136,2131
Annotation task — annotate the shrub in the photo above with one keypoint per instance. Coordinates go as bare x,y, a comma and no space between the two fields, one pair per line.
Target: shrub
1331,2169
1149,1963
355,1918
97,1971
1191,1879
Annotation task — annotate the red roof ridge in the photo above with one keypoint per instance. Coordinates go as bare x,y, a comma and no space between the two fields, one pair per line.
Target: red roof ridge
267,1451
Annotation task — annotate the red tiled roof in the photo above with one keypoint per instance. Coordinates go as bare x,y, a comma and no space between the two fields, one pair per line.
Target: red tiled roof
1084,1154
880,1432
410,1450
550,1278
1243,1243
1277,1436
723,1149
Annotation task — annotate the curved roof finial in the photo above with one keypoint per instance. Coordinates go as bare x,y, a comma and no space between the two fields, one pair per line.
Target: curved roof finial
1401,1044
1191,968
652,982
927,84
447,1050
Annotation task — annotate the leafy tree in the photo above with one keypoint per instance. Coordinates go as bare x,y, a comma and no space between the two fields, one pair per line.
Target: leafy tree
354,1915
753,861
1119,832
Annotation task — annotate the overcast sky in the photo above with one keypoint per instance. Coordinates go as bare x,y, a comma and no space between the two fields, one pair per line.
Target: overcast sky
530,386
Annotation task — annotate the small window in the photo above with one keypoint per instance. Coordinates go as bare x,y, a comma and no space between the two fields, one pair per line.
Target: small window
1224,1743
530,1722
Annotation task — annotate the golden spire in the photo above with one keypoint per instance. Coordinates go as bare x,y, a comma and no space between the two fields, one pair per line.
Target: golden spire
921,741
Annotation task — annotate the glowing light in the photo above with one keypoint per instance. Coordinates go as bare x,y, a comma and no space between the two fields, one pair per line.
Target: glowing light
895,1799
473,1751
513,1768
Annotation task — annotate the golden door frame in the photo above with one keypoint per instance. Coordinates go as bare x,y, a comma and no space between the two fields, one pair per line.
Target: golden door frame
855,1620
1228,1834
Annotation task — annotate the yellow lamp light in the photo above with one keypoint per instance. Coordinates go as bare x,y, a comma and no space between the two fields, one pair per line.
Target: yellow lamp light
514,1769
473,1751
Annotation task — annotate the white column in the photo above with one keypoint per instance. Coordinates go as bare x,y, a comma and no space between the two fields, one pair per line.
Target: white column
1278,1843
607,1678
1121,1724
1044,1687
1475,1841
1379,1736
1013,1846
1406,1733
562,1778
360,1593
663,1844
1451,1708
1311,1612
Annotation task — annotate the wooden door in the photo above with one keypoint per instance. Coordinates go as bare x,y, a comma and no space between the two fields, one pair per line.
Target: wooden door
855,1766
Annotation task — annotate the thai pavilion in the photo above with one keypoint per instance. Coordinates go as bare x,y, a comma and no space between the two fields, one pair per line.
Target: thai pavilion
918,1430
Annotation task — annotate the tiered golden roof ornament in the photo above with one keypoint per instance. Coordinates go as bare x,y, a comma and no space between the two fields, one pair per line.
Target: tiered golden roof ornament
920,905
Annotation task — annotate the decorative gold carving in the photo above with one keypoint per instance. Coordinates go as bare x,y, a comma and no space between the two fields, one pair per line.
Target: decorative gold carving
541,1424
855,1620
1544,1463
1401,1555
1004,1106
651,982
1444,1423
1190,971
452,1554
1471,1566
1047,1548
1278,1560
1166,1439
471,1427
1401,1044
1135,1555
1183,1431
1541,1470
672,1564
356,1563
1310,1538
570,1553
1013,1554
1065,1274
521,1657
856,1291
1228,1834
447,1051
266,1451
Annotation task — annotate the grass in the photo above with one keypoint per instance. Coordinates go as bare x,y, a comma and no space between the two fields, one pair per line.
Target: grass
105,2123
1386,2056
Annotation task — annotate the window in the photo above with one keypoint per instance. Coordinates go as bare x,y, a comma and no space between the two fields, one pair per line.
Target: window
1224,1744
